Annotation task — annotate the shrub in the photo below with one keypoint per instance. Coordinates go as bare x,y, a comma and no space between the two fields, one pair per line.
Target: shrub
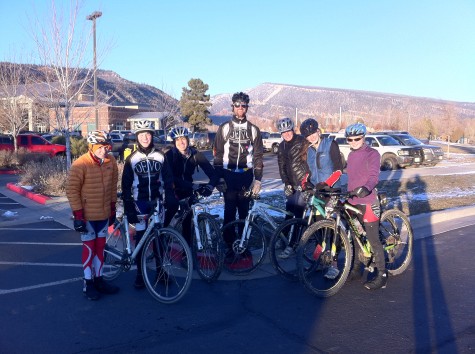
78,147
8,159
59,139
47,176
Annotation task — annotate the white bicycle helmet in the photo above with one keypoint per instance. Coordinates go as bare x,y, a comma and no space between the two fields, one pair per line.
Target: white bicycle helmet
98,137
285,125
144,126
179,132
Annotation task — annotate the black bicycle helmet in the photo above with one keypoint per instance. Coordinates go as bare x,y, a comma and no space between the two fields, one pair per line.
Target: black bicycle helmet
355,130
308,127
284,125
241,97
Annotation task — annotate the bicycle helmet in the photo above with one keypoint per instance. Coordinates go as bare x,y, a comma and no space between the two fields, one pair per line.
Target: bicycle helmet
179,132
98,137
285,125
241,97
144,126
355,130
309,127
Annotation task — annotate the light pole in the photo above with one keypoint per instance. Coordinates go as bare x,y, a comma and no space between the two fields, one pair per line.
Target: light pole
92,17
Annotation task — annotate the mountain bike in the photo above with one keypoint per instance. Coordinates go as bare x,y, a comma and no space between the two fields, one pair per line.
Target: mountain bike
207,247
249,248
167,265
291,230
330,243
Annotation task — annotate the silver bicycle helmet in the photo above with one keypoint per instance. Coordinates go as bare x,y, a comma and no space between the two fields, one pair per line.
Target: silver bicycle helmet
178,132
285,125
144,126
98,137
355,130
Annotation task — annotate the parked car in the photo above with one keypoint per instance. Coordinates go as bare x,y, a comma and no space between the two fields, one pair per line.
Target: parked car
33,143
271,141
199,140
393,154
130,142
116,137
431,154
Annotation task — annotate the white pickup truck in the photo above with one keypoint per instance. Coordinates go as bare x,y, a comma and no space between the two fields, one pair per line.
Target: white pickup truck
271,141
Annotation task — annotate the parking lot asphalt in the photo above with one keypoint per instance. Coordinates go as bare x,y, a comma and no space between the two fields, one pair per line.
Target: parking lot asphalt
24,208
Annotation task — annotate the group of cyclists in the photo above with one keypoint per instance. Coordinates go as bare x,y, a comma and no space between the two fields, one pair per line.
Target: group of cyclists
305,161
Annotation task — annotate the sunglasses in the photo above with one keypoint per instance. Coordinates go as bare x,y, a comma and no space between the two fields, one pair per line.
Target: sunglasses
243,105
354,139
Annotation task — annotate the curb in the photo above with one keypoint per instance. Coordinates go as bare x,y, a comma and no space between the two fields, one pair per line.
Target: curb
41,199
436,217
9,172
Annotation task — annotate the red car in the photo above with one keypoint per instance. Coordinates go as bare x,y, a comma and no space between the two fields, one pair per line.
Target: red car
33,143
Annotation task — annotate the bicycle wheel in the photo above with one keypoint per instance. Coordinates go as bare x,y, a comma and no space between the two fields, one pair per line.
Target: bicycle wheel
167,265
289,232
242,260
114,258
208,260
395,233
318,256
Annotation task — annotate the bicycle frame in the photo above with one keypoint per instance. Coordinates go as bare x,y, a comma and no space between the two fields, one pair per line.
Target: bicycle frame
156,219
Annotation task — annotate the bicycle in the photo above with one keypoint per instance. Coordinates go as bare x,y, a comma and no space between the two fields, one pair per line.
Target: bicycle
330,242
207,247
166,259
250,245
291,231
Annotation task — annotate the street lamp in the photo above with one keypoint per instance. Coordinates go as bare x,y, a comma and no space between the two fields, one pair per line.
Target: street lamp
92,17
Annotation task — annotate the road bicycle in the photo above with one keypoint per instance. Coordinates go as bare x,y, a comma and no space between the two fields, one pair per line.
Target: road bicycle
249,248
334,241
291,231
207,247
167,265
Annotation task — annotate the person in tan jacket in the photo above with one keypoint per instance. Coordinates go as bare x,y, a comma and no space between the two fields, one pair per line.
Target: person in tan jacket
92,194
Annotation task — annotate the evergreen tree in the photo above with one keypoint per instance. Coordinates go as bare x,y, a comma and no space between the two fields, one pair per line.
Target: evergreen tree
194,104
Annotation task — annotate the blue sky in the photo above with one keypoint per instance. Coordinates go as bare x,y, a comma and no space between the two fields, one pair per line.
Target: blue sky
420,48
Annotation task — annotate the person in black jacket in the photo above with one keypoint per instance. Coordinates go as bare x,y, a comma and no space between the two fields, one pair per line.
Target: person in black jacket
146,175
238,154
291,158
184,160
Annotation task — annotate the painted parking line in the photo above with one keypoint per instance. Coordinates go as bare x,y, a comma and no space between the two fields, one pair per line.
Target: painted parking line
31,229
33,287
41,243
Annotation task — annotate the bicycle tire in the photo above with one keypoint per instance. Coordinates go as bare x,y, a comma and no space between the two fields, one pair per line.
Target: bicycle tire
167,265
208,261
286,267
114,258
396,235
242,261
314,258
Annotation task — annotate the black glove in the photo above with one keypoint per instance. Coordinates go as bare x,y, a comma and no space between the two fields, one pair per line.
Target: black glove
322,186
289,190
205,191
113,214
79,221
307,186
361,192
131,212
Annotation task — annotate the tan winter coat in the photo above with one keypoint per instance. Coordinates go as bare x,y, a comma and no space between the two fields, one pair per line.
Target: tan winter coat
92,186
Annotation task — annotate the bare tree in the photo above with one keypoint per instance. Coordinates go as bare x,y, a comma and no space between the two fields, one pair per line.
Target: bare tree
67,70
14,105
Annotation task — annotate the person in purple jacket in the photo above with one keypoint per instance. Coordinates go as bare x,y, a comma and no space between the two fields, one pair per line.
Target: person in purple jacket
363,176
